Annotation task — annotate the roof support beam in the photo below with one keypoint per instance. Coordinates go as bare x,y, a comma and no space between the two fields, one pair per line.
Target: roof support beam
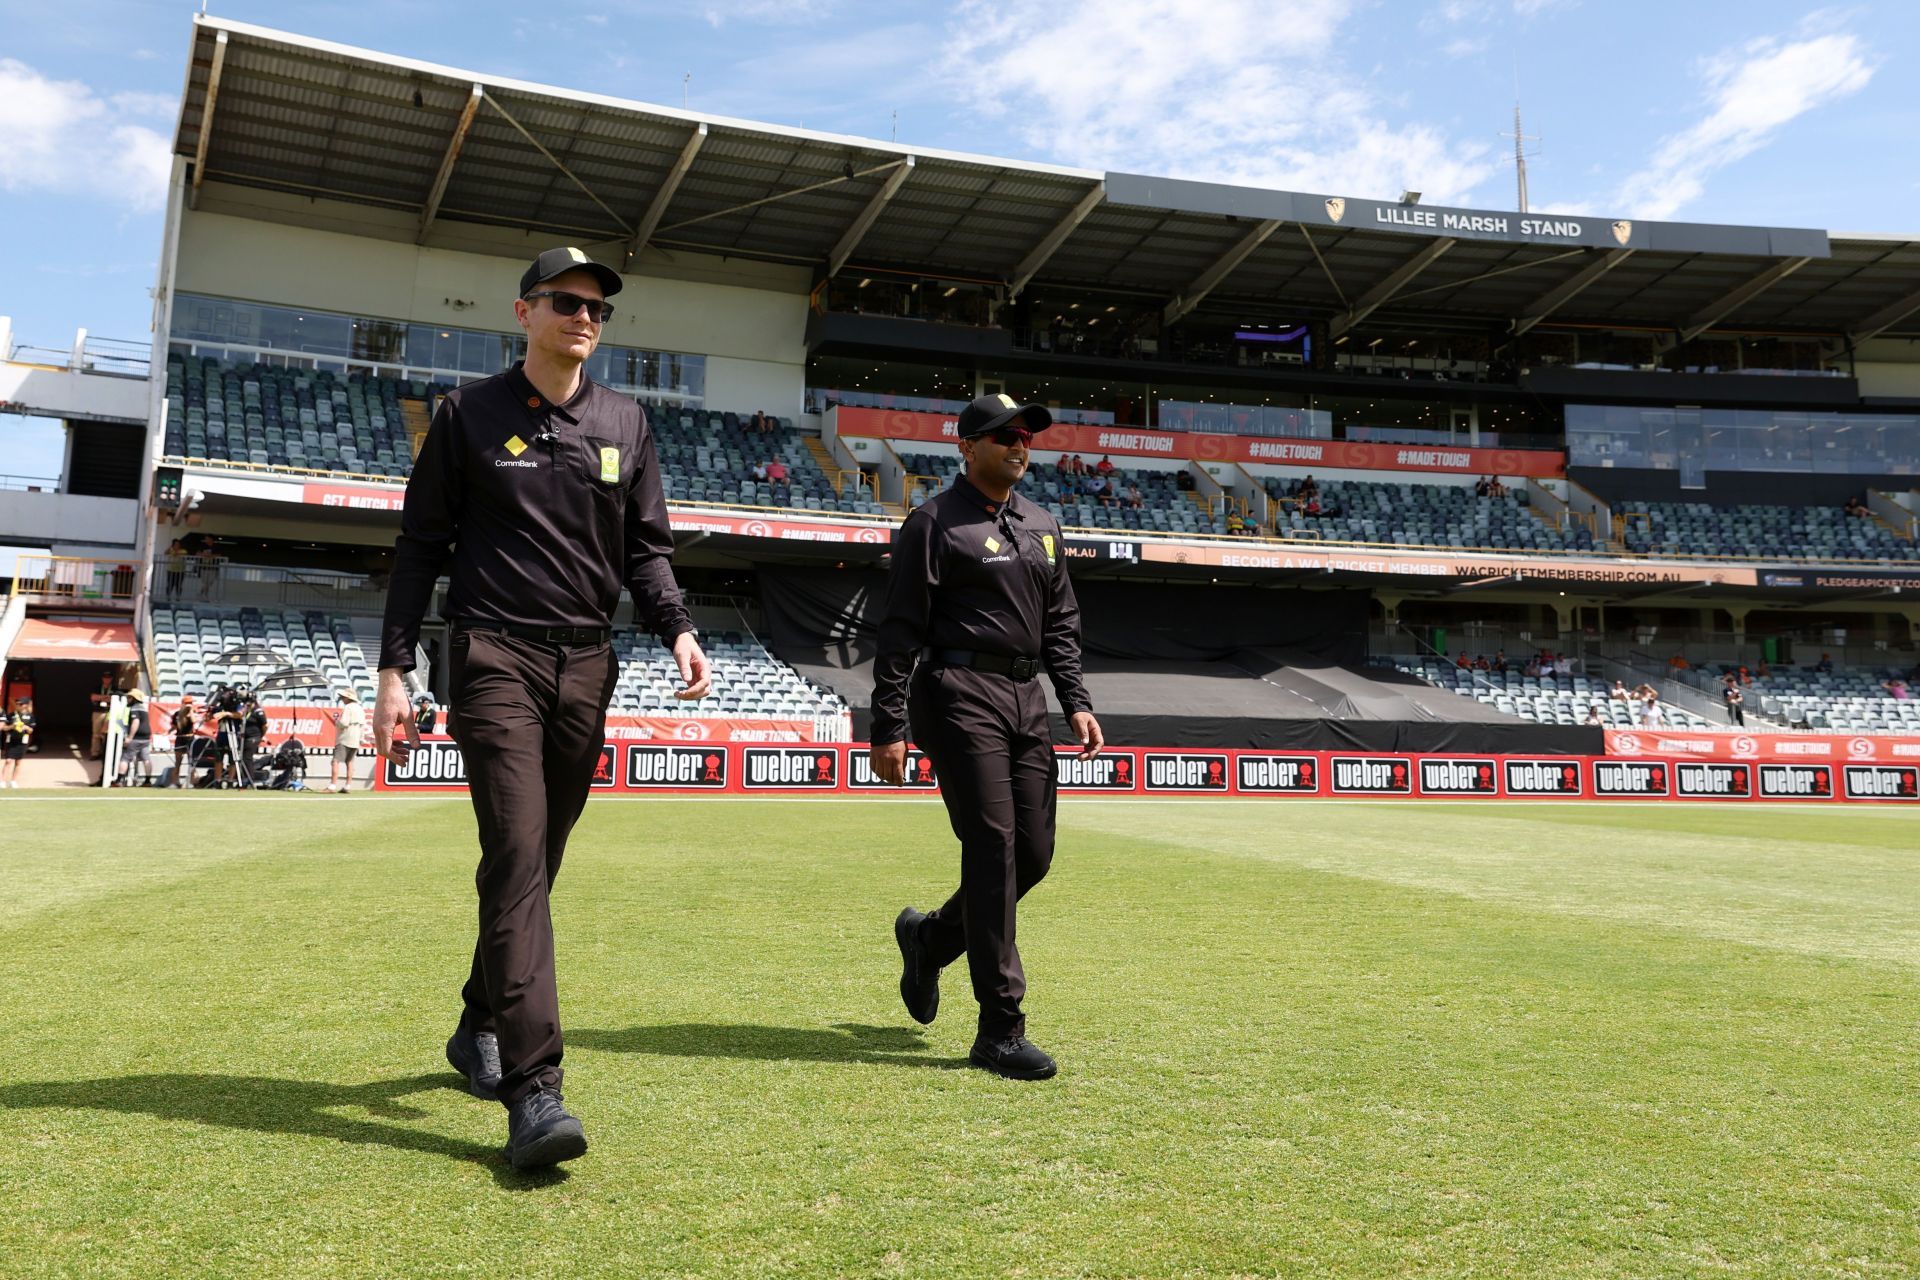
557,163
1370,301
206,119
1209,280
1567,290
868,216
431,209
1883,319
1728,303
1051,242
669,186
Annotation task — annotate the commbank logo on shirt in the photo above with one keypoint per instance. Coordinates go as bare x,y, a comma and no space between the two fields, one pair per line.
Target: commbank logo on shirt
516,446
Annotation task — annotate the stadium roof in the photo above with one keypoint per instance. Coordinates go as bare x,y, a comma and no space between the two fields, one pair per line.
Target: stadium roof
269,109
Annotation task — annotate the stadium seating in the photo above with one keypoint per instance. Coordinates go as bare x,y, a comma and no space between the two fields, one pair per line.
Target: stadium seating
1423,515
1756,531
710,456
1547,699
747,681
1844,700
268,416
187,640
1164,509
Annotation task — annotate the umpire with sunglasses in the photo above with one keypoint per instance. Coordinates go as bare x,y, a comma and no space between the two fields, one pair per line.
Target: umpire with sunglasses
539,492
978,605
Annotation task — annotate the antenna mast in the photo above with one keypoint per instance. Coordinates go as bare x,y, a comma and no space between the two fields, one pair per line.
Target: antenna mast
1520,140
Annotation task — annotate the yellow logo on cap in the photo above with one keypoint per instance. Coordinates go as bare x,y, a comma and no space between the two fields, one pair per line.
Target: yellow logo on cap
516,446
993,543
1046,540
575,254
1009,401
610,464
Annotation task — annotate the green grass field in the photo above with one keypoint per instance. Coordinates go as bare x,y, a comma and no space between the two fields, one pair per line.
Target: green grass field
1306,1039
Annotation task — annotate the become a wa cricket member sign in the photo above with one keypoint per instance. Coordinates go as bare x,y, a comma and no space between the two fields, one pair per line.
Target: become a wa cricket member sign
1278,775
655,766
1372,775
1542,778
789,769
1464,777
1185,771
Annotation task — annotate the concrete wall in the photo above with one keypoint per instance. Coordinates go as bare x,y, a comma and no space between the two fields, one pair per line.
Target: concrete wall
58,393
748,319
65,518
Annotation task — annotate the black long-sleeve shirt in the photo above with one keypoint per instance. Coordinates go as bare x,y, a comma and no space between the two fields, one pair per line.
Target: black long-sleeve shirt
972,573
543,511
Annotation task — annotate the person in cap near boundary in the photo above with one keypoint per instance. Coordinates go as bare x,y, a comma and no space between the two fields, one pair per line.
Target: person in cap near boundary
183,735
349,728
16,733
539,492
978,605
136,741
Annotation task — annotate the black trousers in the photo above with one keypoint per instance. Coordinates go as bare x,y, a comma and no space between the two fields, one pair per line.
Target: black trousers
530,719
988,736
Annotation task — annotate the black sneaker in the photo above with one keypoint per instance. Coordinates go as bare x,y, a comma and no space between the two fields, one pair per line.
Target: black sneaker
919,977
476,1055
540,1132
1012,1056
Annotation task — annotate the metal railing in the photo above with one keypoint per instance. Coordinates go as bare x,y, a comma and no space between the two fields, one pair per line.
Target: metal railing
31,484
71,581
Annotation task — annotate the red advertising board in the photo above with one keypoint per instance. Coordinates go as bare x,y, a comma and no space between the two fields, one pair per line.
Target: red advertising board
1788,748
358,497
841,769
313,727
1194,446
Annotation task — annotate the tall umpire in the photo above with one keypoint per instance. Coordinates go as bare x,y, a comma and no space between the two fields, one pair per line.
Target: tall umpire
541,492
978,605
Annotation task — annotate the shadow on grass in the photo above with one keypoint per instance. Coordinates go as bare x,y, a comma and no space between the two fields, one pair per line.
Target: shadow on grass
269,1105
842,1042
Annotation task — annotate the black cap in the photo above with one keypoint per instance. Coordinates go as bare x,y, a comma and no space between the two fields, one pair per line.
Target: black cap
556,262
990,413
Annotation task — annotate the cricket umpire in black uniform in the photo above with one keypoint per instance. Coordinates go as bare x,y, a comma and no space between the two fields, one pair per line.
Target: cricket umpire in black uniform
540,492
978,605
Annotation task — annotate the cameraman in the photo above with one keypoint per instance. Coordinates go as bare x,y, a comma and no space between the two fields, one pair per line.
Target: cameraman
253,732
226,713
183,738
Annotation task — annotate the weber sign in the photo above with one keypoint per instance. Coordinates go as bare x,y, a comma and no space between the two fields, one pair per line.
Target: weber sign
1372,775
1102,773
1722,781
1185,771
1883,782
1457,778
652,766
1542,778
1796,781
432,764
1279,775
861,777
789,769
1629,778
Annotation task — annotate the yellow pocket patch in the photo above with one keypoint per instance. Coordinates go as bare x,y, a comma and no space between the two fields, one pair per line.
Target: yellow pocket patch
1047,540
610,465
993,543
516,446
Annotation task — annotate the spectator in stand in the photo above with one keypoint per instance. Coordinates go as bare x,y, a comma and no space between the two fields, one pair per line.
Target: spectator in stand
349,724
760,471
16,735
1746,676
1532,669
1651,715
1235,525
1496,488
1594,716
1897,688
1825,665
426,716
1310,507
1678,662
1184,481
1480,663
183,719
1500,661
1096,487
1133,498
206,567
176,567
1078,467
1308,489
1731,694
1483,488
776,471
1619,693
1853,506
1105,467
1462,662
136,741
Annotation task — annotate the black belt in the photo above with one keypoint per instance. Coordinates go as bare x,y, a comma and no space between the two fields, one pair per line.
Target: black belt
545,635
999,664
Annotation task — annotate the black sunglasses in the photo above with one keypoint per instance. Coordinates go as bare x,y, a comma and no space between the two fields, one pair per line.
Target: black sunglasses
565,304
1007,437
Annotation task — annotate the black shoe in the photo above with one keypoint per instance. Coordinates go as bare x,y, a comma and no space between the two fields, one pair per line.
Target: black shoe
540,1132
476,1055
1012,1056
919,976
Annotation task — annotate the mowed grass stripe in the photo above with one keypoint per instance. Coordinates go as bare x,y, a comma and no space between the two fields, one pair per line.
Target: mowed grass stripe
1270,1068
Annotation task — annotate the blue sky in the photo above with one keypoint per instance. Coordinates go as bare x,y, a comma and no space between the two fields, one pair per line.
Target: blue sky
1752,111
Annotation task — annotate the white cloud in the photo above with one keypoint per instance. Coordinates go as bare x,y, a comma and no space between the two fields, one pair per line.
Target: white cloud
1751,95
1209,89
63,137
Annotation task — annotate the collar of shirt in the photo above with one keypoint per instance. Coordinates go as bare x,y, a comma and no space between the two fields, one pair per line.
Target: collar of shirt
528,395
1014,506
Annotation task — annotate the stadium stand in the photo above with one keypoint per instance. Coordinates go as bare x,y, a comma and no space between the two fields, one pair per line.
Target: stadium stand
187,641
1844,700
1773,532
1421,515
1164,508
1548,699
747,681
711,456
266,416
